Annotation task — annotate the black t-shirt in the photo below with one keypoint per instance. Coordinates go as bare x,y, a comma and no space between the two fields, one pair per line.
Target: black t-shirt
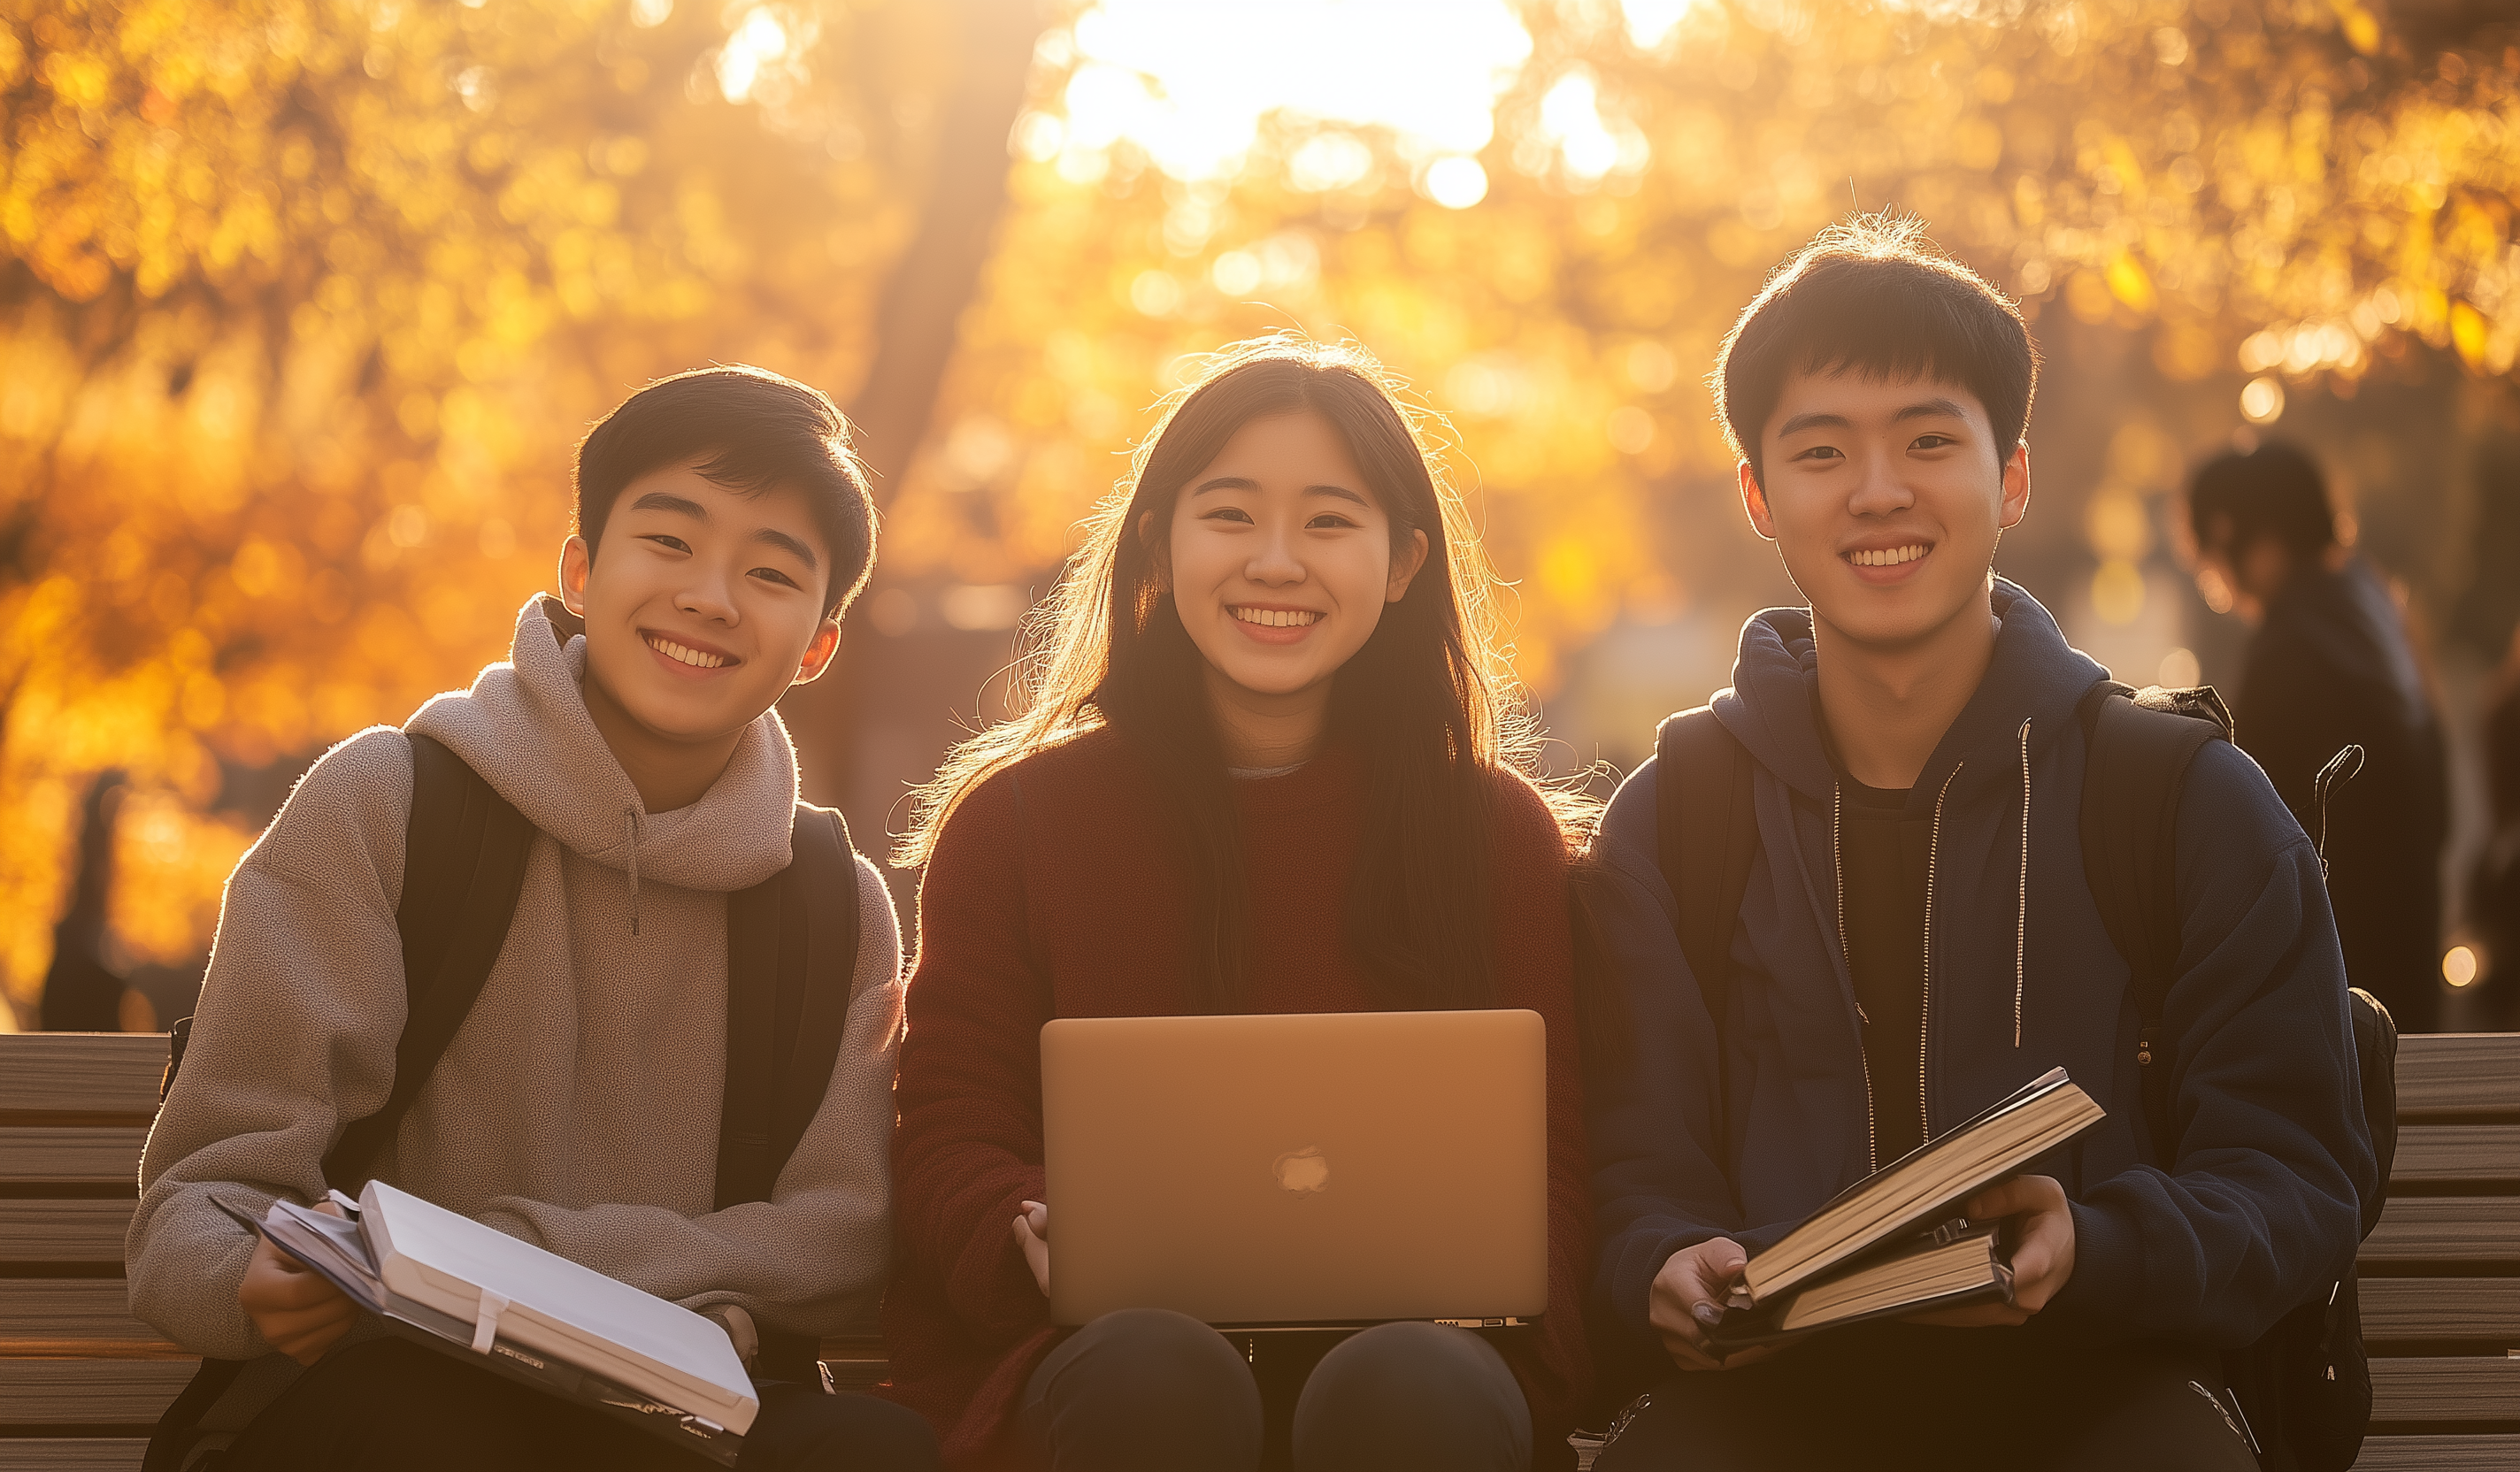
1882,862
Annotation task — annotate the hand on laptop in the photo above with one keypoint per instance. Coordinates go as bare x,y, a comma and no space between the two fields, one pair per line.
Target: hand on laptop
2038,1223
293,1307
1032,1234
1688,1300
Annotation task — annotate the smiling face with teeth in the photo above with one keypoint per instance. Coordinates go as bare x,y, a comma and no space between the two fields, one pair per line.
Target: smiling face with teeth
704,606
1885,498
1281,560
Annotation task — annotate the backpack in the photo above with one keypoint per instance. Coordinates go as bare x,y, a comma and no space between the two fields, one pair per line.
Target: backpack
790,959
2305,1388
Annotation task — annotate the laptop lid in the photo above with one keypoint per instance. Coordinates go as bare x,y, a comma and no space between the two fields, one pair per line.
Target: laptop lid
1298,1170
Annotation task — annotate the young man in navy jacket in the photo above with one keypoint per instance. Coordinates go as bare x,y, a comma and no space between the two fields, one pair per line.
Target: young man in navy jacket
1917,940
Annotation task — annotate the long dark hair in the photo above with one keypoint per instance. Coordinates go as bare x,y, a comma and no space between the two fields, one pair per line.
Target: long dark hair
1426,702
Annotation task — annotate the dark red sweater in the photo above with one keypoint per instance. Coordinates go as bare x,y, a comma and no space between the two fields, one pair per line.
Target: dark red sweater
1054,893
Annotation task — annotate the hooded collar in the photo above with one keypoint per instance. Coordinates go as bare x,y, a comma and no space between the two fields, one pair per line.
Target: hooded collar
2036,677
524,726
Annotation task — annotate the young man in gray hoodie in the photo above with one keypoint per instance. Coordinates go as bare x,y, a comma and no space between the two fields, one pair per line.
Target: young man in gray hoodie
722,528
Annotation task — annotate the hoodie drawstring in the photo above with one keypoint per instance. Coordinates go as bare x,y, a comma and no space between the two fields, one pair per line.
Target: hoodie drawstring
630,822
2021,918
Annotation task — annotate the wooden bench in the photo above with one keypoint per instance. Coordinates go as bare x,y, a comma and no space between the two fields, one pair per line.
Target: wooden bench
81,1381
2440,1274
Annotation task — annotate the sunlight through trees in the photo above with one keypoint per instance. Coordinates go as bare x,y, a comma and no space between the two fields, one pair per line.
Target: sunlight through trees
307,300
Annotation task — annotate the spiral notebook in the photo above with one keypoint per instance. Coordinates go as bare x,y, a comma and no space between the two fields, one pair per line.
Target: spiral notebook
458,1286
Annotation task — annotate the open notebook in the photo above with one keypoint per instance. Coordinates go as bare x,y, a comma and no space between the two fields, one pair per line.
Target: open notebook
463,1288
1892,1242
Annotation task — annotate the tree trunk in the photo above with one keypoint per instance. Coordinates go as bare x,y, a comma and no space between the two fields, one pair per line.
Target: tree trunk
936,276
916,331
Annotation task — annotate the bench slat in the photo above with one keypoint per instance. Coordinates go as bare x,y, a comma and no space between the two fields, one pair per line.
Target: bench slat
81,1073
82,1153
2456,1153
62,1232
2439,1453
73,1315
2445,1229
854,1362
104,1454
2441,1308
2445,1075
90,1391
2445,1390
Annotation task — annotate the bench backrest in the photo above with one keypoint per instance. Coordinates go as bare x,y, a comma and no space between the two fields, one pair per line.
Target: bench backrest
2440,1272
81,1380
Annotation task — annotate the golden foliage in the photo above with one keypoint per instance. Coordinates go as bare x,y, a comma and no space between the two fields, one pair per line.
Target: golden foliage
2256,186
303,301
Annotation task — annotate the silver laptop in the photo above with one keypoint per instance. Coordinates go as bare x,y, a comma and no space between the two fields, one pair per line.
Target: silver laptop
1298,1170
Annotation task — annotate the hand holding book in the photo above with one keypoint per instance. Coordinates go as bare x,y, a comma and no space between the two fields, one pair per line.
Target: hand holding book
463,1288
1895,1244
2039,1227
293,1308
1689,1295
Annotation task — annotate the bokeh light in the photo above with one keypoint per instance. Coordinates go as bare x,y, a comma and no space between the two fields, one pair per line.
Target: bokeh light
2262,401
1189,82
1455,183
304,329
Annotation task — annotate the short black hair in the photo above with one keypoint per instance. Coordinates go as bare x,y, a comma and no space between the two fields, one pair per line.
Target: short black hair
759,431
2274,491
1874,296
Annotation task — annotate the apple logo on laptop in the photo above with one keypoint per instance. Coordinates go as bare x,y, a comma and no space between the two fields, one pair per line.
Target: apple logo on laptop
1305,1171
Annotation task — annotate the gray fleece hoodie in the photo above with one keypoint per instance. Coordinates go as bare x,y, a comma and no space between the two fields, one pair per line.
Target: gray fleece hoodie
577,1108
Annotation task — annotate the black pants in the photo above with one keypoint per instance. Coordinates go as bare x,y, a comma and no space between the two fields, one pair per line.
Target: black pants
387,1406
1899,1396
1147,1389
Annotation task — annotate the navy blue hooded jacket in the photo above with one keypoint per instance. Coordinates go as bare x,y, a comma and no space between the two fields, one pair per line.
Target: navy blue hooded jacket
2258,1211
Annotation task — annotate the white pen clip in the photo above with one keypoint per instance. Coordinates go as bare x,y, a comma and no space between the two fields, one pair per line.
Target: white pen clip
485,1320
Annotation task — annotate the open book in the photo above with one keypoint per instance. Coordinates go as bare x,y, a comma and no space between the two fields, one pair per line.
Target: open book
1891,1243
463,1288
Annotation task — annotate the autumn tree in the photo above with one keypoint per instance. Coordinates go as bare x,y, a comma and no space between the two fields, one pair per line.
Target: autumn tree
2276,188
303,305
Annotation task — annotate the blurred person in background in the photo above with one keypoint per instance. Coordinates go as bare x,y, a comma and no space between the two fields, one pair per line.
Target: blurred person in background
2330,664
2493,886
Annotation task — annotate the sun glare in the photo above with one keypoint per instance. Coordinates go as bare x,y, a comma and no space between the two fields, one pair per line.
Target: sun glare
1189,81
1651,22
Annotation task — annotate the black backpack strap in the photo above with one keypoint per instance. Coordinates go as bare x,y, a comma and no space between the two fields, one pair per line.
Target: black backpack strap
2140,745
464,866
2342,768
178,1037
827,881
792,950
171,1441
2375,1056
1707,829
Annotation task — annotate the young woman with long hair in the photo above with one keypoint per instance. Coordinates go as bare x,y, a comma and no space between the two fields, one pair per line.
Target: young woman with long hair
1269,762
